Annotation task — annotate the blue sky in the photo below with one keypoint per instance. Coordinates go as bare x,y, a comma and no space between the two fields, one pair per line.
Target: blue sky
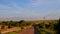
30,8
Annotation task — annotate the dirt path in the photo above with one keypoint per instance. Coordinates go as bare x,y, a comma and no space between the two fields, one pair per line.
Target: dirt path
10,30
28,31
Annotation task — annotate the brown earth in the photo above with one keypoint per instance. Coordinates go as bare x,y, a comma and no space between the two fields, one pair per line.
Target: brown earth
10,30
27,31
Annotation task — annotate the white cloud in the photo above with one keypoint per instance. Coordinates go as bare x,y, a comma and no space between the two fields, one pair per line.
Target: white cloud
13,9
42,2
36,2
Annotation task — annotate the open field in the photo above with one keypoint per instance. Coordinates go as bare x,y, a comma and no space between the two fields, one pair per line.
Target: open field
28,27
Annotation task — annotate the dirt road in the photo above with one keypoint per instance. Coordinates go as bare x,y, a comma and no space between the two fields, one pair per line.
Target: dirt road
31,30
28,31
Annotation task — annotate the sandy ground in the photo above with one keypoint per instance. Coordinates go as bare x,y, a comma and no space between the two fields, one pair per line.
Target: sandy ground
27,31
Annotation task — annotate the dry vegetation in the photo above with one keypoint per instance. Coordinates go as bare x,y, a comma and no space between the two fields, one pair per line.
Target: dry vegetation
43,26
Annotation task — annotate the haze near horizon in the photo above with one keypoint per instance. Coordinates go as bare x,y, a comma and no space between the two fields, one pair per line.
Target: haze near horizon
29,9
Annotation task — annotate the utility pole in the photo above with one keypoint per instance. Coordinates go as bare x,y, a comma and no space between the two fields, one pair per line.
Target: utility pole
44,18
44,21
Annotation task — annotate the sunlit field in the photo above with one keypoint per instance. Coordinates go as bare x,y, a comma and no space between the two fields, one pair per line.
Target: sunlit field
42,26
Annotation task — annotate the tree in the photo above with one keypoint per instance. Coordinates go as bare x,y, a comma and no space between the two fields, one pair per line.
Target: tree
10,24
4,23
47,25
20,22
57,27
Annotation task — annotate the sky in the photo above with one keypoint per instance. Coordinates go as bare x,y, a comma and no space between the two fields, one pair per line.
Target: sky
30,8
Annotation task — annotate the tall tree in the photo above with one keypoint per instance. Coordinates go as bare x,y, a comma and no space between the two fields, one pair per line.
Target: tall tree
57,27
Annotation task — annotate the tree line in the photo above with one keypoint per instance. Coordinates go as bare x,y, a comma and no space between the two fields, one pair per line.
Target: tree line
11,24
54,27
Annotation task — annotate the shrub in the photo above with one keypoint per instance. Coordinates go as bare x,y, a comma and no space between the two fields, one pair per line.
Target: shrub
57,27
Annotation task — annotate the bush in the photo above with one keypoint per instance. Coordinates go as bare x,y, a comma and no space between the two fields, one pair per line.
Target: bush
4,23
47,26
57,27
